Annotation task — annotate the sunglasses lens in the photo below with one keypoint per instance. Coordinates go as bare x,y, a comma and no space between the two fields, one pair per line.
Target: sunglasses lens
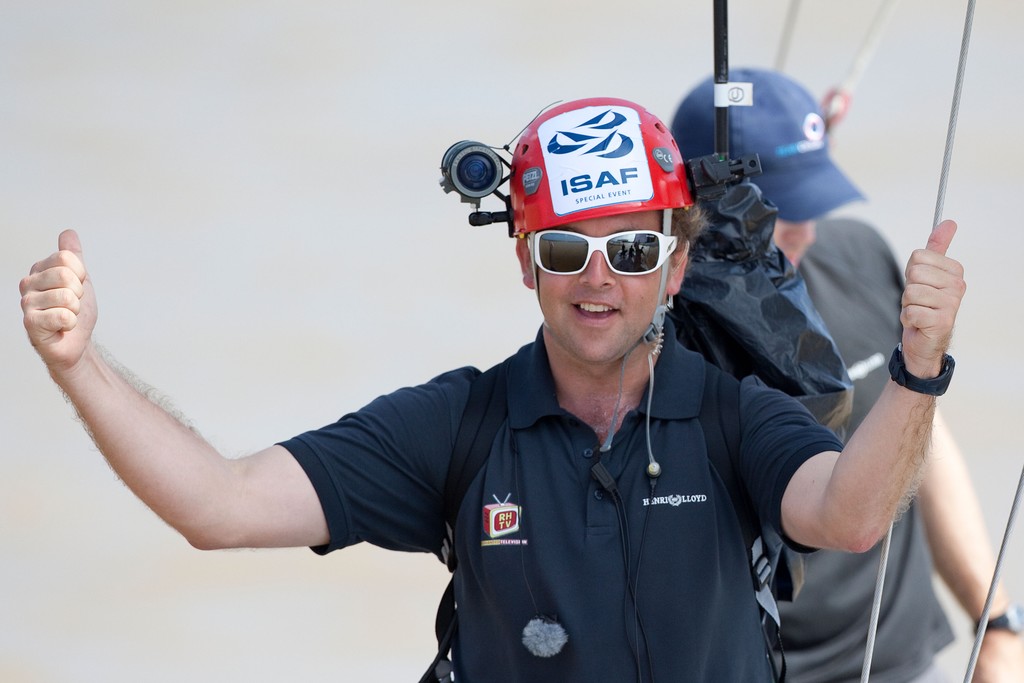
562,252
628,253
634,252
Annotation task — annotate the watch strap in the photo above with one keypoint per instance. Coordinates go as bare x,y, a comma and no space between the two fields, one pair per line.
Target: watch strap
1011,620
935,386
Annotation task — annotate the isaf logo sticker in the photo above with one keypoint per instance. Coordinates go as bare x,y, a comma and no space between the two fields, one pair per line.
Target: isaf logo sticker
595,157
599,135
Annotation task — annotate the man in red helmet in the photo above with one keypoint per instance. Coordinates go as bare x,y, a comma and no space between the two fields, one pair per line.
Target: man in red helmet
597,542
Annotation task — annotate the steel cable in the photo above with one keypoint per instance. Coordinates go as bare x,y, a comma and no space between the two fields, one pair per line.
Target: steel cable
983,620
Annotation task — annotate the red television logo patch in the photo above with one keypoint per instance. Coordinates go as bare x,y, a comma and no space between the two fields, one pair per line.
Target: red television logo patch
501,518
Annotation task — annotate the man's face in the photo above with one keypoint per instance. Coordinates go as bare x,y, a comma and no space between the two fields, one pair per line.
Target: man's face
597,315
794,239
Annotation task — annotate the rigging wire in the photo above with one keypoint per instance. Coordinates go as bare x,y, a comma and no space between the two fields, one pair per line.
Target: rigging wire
837,101
876,607
835,105
983,620
954,111
943,179
786,39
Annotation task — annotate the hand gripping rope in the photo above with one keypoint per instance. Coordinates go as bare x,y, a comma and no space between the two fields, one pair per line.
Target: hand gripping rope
1015,508
835,105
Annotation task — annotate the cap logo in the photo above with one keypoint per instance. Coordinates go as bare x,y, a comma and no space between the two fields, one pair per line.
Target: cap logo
595,157
814,127
814,137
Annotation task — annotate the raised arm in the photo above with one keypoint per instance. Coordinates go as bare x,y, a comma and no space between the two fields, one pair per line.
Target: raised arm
848,501
264,500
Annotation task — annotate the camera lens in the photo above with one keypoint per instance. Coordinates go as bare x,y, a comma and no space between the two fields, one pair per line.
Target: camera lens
475,171
470,168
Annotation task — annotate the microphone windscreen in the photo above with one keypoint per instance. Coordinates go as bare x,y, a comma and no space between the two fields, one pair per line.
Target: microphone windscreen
544,637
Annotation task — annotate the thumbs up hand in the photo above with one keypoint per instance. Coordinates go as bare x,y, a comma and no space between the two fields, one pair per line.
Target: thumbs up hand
59,305
931,298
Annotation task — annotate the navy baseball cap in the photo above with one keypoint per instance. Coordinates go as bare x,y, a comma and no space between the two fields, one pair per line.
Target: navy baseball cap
785,128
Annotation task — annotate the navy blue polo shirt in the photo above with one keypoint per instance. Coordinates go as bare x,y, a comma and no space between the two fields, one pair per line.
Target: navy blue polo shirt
538,536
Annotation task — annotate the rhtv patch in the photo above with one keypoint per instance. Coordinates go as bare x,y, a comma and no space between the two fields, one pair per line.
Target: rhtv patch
501,518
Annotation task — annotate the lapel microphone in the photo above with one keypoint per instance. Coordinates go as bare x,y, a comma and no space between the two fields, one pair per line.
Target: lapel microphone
543,636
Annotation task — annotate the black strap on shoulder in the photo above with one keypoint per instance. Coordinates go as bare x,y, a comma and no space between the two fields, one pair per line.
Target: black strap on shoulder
720,420
485,411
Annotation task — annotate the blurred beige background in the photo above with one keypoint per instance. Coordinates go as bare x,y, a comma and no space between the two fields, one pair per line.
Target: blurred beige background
231,165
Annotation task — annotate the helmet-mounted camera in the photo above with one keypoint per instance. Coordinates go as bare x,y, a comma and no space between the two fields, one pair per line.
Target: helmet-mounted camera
474,170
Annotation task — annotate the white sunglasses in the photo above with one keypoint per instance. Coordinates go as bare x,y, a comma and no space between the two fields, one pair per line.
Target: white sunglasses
633,252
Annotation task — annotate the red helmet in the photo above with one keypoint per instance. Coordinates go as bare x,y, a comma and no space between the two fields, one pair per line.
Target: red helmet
592,158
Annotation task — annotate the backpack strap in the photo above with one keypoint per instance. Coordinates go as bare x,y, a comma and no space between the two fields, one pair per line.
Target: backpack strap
485,411
720,420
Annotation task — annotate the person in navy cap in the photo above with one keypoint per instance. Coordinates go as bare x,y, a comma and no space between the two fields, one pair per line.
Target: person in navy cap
856,285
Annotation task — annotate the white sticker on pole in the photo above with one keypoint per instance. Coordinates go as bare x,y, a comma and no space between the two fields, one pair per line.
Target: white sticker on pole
595,157
734,94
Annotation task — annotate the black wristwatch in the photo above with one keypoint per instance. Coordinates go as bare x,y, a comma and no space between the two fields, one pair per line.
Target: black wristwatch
1011,620
936,386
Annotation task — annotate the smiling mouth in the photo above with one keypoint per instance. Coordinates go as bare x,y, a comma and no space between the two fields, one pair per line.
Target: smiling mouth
595,308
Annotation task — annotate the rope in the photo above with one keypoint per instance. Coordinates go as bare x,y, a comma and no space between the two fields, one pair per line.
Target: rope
983,621
837,101
869,46
943,178
939,202
876,606
955,109
787,34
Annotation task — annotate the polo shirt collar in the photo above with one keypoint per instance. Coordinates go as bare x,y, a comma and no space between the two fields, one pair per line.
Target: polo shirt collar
678,383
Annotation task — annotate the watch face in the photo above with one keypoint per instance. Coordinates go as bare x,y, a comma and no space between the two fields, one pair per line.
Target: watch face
1015,618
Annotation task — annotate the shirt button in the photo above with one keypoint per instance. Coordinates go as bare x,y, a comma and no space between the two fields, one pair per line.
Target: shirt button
588,452
599,494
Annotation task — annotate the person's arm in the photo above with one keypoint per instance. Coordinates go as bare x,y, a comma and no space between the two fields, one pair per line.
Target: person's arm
962,553
847,501
263,500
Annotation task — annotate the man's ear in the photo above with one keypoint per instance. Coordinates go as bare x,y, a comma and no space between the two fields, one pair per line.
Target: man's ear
678,260
525,261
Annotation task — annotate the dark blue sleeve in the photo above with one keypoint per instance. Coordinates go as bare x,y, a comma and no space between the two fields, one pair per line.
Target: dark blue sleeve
779,435
380,472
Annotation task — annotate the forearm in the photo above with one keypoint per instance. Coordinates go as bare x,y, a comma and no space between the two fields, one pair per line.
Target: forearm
262,500
848,502
168,465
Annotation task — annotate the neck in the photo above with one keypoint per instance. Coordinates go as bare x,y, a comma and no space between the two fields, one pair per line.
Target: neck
598,392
